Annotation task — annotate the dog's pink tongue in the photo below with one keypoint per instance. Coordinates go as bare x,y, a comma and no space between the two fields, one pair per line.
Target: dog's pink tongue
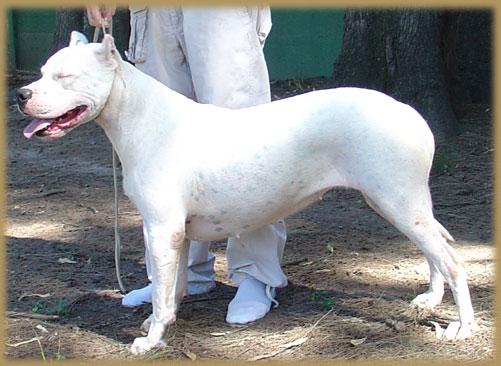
35,126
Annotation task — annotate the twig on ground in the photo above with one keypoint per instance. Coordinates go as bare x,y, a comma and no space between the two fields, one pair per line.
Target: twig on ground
33,295
21,343
50,193
14,314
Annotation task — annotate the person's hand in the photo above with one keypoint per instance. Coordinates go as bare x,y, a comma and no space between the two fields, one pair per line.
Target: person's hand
95,14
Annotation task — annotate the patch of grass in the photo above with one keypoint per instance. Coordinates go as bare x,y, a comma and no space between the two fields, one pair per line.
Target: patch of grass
41,308
38,307
322,299
442,163
61,307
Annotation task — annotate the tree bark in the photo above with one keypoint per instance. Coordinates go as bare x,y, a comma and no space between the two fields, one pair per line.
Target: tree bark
68,20
400,54
467,50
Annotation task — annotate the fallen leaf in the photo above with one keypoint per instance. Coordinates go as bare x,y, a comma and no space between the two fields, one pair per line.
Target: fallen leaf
190,355
42,328
358,342
65,260
297,342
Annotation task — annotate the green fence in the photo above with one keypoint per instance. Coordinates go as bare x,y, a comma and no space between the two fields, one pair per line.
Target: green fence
303,43
30,33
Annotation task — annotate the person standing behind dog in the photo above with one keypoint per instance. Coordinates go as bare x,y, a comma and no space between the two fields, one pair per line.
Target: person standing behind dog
212,56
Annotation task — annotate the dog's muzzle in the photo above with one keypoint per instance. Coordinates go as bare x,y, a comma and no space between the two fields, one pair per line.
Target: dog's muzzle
23,95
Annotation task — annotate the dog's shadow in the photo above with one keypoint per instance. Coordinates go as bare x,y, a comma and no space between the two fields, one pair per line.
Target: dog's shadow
111,319
203,314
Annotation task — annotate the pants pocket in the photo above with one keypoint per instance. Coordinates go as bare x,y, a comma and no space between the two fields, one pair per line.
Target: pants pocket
137,45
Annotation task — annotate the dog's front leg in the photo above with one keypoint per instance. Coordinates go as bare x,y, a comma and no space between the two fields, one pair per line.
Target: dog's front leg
168,252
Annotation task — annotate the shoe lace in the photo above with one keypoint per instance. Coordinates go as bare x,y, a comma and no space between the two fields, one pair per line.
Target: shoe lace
270,294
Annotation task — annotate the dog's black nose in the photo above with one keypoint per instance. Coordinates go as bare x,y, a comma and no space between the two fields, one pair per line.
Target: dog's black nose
23,95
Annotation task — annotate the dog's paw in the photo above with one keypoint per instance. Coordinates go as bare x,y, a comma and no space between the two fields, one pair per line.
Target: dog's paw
139,346
145,327
427,300
142,345
458,331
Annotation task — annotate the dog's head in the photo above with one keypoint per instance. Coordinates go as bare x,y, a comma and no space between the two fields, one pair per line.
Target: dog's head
74,87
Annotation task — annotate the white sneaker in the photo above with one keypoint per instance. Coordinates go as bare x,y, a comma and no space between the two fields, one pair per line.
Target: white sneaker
252,302
143,295
137,297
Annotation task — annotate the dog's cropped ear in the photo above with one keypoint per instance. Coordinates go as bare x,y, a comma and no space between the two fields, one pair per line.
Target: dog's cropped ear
77,38
108,52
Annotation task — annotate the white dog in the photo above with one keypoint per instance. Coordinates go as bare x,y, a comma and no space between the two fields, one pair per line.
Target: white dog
201,172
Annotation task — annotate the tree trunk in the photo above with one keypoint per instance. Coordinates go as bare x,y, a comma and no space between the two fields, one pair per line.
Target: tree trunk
467,43
68,20
399,53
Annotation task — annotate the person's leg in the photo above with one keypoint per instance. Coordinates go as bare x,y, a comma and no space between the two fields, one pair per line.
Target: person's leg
224,50
200,268
156,47
254,265
225,55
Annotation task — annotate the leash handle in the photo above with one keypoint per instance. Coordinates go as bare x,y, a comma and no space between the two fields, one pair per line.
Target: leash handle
97,30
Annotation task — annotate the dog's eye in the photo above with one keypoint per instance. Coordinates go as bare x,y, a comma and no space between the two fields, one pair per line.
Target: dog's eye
61,76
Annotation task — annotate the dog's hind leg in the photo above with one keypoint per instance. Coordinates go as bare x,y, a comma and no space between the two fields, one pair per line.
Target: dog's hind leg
168,251
409,209
433,297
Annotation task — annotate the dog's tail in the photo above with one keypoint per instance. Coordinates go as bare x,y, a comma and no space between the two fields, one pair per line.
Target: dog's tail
443,231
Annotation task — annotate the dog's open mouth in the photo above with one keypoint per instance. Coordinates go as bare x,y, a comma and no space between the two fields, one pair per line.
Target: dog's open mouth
55,127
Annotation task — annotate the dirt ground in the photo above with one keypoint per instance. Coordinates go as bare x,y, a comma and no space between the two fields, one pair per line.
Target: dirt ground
351,274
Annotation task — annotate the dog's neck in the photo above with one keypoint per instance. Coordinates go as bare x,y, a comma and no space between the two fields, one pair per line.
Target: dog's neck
130,91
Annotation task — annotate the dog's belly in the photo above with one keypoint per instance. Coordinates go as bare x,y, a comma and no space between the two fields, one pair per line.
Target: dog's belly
224,221
216,213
